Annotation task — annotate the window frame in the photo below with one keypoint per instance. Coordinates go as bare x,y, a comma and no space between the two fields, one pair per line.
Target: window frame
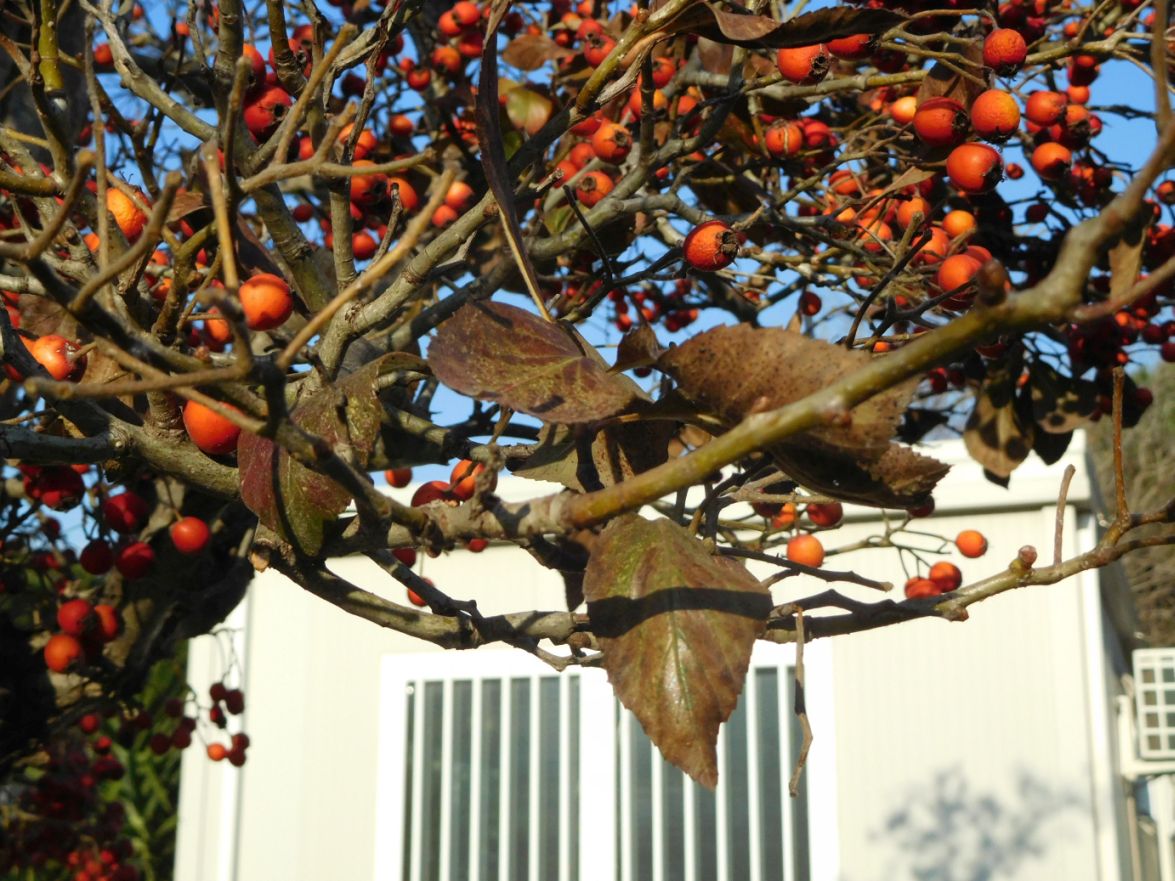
599,752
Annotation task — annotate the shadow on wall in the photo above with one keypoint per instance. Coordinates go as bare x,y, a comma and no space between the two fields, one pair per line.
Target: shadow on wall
949,831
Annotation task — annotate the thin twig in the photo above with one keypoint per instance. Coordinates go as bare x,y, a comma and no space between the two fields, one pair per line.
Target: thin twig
1058,532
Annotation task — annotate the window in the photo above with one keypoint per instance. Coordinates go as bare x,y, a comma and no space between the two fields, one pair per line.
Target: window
495,768
1154,688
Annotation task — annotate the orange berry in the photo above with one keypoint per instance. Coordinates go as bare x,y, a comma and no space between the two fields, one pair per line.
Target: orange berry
710,246
935,249
974,168
126,213
785,518
806,550
853,47
636,102
903,109
1045,108
920,588
784,138
596,47
593,186
940,122
1051,160
611,142
971,543
398,477
59,357
62,652
459,195
266,301
804,64
1004,51
212,433
463,479
911,207
946,576
995,115
956,271
959,223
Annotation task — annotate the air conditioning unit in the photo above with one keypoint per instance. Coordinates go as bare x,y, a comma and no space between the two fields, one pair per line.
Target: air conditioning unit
1154,703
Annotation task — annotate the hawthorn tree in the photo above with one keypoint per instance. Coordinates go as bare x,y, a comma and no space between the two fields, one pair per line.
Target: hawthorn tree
645,248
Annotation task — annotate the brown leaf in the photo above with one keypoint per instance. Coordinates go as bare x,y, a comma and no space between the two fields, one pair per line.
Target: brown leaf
942,82
638,348
737,371
763,32
532,51
497,352
677,626
999,434
184,204
1126,259
587,463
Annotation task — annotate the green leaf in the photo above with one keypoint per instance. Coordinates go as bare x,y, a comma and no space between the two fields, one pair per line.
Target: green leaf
497,352
677,626
527,109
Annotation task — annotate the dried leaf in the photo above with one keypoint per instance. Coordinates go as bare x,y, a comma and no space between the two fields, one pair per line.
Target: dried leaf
497,352
999,434
677,626
532,51
638,348
587,463
737,371
1059,403
1126,259
184,204
943,82
296,502
763,32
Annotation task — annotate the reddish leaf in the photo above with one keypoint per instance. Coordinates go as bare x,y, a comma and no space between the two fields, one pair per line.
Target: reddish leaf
532,51
761,31
502,353
736,371
297,502
677,626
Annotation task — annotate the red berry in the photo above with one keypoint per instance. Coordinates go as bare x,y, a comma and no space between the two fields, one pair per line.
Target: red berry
125,512
190,535
76,617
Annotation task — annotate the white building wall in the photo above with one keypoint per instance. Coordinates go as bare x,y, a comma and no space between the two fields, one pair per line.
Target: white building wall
963,752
